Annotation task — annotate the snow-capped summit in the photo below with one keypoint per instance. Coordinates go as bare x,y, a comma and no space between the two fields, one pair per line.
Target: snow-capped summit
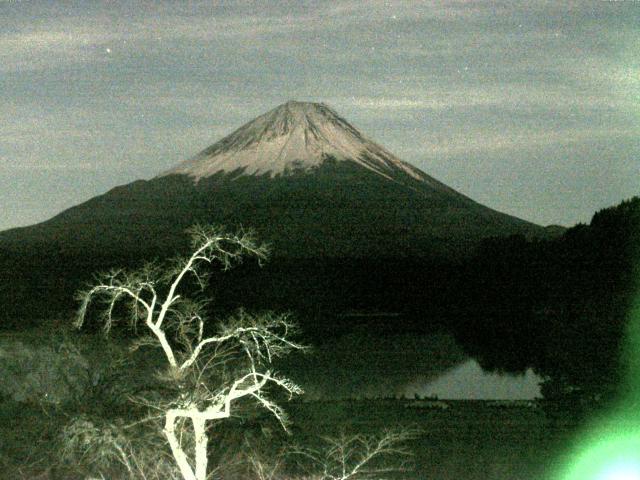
294,136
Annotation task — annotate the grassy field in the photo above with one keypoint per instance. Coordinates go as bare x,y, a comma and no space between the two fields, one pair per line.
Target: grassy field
469,440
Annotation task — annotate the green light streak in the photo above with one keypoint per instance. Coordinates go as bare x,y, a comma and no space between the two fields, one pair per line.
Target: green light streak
615,455
610,448
631,353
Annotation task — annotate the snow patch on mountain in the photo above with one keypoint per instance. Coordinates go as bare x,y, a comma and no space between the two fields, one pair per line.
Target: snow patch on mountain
296,136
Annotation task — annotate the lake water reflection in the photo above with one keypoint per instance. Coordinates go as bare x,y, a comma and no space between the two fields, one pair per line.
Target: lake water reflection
364,365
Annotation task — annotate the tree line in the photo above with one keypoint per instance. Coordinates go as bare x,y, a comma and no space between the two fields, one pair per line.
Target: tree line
560,306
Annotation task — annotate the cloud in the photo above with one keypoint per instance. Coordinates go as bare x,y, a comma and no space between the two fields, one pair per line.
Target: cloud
384,103
56,39
480,142
465,96
53,44
10,167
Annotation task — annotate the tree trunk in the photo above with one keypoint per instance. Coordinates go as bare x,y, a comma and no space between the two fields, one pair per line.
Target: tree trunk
176,449
199,428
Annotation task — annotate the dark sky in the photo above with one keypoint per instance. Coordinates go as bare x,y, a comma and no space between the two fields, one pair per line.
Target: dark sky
532,108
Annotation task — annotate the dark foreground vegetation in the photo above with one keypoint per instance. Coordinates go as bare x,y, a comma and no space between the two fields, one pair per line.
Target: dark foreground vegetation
560,306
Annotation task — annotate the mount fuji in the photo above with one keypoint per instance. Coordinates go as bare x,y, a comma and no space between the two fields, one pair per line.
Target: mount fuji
308,182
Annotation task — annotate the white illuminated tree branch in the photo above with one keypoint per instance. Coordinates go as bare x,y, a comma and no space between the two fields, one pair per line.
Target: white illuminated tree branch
350,457
213,371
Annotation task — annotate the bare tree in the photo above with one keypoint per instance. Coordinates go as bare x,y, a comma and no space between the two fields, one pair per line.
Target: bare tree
211,372
359,456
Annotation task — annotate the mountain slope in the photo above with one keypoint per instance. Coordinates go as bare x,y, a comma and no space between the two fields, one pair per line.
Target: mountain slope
307,181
